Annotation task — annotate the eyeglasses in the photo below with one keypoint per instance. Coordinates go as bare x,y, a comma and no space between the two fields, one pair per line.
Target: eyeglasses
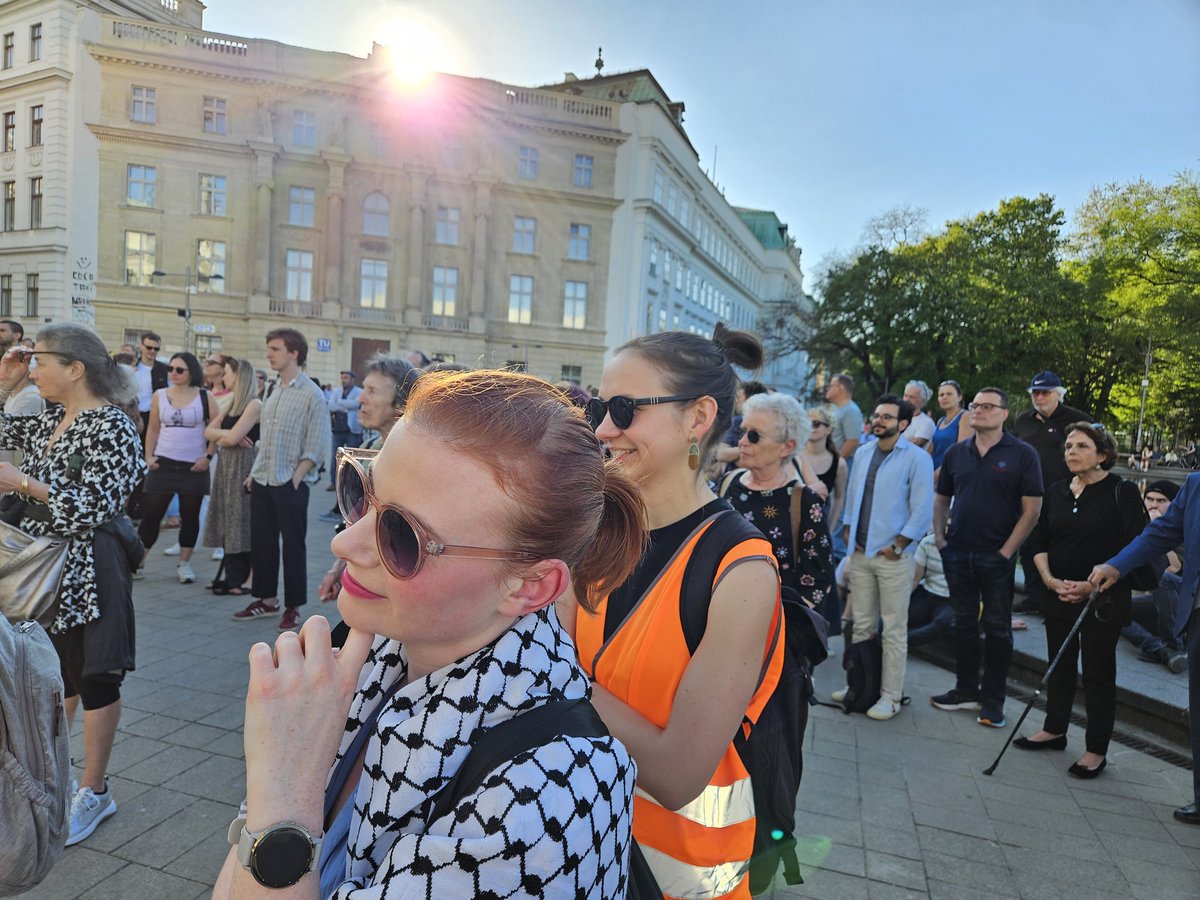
178,370
986,407
402,541
621,408
885,417
213,362
151,347
30,356
816,422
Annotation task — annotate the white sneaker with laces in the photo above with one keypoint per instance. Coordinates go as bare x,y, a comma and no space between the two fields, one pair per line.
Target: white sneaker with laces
883,709
173,550
87,811
185,574
219,553
839,695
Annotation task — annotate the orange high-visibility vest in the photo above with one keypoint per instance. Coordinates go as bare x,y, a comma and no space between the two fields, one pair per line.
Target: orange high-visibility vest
702,850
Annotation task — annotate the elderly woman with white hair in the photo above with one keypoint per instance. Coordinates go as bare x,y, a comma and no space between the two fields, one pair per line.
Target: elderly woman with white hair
767,490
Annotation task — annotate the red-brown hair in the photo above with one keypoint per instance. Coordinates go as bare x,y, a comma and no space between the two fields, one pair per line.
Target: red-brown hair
568,503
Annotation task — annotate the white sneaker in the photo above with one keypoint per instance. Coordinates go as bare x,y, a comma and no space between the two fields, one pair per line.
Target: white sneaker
883,709
185,574
219,553
839,695
173,550
88,811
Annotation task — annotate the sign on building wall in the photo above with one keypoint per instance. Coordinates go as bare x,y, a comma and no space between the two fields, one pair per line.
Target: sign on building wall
83,291
324,345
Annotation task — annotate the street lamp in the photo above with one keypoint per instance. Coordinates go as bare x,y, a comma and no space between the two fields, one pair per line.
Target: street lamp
186,312
1145,385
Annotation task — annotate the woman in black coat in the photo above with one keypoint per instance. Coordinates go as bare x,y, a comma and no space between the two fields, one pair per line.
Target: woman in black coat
1085,520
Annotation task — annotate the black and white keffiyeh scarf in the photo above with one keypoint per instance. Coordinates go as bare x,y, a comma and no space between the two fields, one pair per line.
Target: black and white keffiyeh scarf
554,822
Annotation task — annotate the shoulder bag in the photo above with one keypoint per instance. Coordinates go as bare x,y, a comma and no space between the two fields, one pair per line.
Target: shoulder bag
31,571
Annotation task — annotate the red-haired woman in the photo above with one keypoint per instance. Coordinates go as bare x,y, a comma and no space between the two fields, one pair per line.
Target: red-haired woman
665,399
459,545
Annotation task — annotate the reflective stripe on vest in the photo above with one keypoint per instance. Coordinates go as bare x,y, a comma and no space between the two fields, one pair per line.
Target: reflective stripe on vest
701,851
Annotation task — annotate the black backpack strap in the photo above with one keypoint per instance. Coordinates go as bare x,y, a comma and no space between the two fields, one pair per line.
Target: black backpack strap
508,740
727,481
204,404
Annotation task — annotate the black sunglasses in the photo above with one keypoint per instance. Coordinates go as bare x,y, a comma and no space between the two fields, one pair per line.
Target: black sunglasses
751,435
621,408
402,541
178,370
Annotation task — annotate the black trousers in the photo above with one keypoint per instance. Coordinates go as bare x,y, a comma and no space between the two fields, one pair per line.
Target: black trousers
279,515
1098,643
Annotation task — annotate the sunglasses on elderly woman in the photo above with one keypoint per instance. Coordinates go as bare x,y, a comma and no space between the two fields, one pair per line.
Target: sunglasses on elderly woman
402,541
751,435
622,408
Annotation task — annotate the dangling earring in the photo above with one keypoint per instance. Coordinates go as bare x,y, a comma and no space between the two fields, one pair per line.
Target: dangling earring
694,455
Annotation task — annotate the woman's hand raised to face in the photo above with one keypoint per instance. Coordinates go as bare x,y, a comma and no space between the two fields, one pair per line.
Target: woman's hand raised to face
296,708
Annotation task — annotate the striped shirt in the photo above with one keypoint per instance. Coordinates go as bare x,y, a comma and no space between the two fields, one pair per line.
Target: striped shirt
294,426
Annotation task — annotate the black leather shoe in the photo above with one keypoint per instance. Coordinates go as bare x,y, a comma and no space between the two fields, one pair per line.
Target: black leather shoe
1058,743
1189,814
1084,772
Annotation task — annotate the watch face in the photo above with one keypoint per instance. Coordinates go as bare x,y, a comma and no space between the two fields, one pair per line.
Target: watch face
281,857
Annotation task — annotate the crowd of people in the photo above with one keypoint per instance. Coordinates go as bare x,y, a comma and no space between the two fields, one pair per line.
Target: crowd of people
507,548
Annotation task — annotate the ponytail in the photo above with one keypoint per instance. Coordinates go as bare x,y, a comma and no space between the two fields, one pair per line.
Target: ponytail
619,543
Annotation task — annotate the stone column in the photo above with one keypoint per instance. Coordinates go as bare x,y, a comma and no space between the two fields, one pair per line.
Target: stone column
480,254
414,301
335,239
264,188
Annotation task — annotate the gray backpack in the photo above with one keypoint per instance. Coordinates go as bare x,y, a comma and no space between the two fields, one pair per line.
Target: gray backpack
35,761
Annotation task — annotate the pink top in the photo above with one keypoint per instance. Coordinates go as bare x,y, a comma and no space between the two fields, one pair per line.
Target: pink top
181,431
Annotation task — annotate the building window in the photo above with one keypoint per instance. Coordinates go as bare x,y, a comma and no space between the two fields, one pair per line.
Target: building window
524,234
214,115
304,128
302,205
528,165
583,171
653,260
658,185
452,152
447,225
10,41
378,139
445,291
141,185
31,293
372,283
145,106
6,295
10,132
212,195
575,305
520,299
375,214
35,202
35,42
35,125
299,265
683,209
573,374
672,198
9,218
139,257
204,344
210,266
579,241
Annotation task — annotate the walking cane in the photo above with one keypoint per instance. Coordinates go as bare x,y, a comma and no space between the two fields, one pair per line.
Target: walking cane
1049,671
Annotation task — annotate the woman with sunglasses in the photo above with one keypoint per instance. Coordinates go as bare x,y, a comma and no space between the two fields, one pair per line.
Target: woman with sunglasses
823,458
665,400
764,491
227,526
953,426
459,545
1085,520
178,456
81,463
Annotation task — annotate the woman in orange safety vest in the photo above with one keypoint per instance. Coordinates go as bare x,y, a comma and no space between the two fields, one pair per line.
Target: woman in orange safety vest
665,400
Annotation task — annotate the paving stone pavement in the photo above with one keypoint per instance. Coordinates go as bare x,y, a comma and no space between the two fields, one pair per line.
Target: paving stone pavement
887,809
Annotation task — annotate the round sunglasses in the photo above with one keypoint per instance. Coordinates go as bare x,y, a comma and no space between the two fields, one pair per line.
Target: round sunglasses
402,541
751,435
621,409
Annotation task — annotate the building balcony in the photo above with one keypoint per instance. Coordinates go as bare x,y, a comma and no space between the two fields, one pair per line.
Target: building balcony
369,314
148,36
446,323
301,308
555,105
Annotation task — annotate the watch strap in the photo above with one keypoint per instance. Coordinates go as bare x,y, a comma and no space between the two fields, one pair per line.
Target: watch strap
248,842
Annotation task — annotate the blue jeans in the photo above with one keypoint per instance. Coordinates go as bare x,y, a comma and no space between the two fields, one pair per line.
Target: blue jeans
978,577
930,617
1151,630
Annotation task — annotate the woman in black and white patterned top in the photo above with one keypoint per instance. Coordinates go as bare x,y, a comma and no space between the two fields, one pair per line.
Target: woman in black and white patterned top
82,460
447,641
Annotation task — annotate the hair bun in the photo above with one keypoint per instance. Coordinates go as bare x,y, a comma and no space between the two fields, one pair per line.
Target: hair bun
740,348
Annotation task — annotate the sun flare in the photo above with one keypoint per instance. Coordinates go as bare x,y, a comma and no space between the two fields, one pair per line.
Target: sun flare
416,48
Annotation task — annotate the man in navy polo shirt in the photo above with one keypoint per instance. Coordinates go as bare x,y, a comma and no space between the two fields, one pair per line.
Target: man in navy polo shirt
995,482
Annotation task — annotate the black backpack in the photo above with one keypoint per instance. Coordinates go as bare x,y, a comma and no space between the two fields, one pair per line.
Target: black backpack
863,663
509,739
773,754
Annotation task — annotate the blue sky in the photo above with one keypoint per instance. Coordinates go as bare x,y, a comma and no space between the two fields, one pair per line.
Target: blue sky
833,111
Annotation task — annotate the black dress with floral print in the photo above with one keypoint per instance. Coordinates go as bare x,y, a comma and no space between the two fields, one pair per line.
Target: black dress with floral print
91,469
811,574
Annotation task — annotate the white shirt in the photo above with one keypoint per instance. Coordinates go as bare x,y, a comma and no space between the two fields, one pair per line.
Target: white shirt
143,375
922,426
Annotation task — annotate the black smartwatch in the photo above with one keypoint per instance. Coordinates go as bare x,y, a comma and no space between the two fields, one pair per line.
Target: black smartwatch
278,856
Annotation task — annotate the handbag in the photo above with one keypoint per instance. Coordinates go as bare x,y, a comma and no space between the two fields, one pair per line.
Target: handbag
31,572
